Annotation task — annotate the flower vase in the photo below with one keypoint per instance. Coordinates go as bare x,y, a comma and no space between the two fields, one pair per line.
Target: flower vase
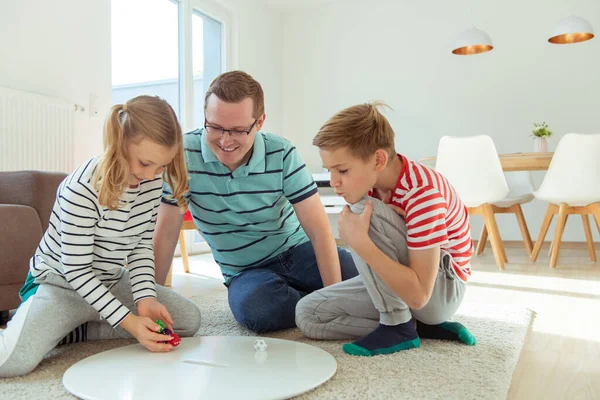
540,145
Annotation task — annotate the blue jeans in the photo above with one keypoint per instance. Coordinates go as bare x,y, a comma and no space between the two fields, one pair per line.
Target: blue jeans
264,297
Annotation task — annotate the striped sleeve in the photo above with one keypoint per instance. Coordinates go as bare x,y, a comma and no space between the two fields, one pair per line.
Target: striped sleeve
298,183
141,265
78,217
425,218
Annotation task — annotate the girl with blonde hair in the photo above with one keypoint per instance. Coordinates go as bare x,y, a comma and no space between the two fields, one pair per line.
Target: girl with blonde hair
92,275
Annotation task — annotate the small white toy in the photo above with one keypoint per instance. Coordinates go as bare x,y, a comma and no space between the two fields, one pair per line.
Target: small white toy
261,356
260,345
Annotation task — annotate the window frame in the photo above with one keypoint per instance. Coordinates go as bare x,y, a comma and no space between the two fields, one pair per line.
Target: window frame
186,81
228,49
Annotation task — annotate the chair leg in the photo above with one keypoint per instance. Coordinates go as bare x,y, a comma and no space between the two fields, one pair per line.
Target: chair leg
184,254
495,240
524,229
543,231
482,240
169,278
560,227
588,237
596,212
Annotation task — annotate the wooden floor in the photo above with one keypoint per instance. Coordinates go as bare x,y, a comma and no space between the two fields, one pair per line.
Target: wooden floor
561,356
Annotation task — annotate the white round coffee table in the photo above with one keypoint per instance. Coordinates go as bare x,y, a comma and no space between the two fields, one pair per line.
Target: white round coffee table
208,367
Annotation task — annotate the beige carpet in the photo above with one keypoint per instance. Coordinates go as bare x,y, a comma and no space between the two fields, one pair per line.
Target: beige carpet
437,369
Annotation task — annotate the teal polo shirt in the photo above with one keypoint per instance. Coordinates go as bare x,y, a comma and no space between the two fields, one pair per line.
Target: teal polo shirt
246,216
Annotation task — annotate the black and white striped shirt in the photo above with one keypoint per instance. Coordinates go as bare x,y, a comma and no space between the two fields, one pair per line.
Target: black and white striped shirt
90,245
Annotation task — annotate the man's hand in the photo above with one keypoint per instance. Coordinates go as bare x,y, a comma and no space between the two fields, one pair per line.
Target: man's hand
152,309
146,332
354,228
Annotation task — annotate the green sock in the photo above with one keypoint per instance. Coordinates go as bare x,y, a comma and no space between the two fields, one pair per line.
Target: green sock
463,333
356,350
385,339
446,331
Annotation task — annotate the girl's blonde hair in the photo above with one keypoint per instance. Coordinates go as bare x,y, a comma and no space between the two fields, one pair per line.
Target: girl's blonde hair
362,128
148,117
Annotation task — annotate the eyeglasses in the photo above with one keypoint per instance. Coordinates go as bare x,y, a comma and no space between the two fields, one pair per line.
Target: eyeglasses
235,133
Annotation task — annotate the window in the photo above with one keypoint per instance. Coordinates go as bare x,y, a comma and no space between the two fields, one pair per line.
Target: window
145,47
207,60
172,49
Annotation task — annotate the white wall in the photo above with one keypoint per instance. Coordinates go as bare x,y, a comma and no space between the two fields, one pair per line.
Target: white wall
60,49
260,53
347,52
314,61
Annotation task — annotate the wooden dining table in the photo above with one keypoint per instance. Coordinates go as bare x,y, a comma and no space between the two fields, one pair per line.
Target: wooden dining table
509,162
514,161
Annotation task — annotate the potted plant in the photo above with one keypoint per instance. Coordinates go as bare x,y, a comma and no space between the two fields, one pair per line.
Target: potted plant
541,132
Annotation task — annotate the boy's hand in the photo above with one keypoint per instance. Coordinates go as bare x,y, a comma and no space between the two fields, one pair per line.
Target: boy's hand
386,197
398,210
146,332
383,195
354,228
152,309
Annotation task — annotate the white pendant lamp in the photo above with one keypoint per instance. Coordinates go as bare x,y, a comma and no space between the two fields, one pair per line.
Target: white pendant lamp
472,41
571,30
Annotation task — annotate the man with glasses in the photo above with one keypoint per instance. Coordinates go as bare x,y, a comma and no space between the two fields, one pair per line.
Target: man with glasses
257,206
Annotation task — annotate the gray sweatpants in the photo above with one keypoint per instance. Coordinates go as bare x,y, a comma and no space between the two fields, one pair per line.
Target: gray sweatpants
55,310
355,307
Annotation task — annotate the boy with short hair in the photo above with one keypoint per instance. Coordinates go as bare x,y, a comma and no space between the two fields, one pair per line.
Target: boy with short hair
412,249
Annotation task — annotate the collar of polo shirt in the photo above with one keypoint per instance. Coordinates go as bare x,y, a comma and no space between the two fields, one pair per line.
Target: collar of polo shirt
255,164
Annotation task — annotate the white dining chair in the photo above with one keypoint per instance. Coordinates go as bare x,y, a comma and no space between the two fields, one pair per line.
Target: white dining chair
521,188
472,167
571,186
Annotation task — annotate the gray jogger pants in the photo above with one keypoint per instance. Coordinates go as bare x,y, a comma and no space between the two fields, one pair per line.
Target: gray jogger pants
55,310
355,307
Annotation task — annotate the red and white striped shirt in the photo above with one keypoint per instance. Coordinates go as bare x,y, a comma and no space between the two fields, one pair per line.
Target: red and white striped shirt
435,215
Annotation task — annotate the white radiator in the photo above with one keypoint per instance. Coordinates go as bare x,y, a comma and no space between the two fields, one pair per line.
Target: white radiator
36,132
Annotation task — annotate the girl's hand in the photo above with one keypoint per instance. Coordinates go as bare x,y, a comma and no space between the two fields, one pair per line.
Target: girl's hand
354,228
145,331
152,309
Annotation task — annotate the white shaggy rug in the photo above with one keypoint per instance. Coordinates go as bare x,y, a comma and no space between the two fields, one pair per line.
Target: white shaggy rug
438,369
